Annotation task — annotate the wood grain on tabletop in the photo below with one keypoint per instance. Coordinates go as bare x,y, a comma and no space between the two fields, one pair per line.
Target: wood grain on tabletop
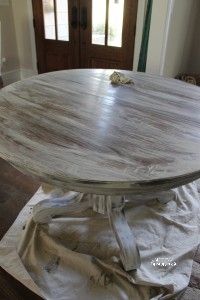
75,129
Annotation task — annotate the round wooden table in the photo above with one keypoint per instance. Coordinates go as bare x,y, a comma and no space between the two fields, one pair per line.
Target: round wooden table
75,130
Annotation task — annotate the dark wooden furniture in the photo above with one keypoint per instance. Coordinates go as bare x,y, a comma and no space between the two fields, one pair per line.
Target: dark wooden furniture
1,82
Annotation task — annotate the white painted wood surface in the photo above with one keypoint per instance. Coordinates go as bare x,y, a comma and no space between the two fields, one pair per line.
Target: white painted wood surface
76,130
129,252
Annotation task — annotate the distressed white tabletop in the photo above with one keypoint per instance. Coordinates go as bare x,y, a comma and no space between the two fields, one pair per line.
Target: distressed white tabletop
74,129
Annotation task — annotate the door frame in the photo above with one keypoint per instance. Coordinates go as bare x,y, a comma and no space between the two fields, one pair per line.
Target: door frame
158,35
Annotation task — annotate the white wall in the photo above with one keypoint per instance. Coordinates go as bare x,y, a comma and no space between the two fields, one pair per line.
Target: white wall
157,36
139,30
9,49
17,36
23,21
174,38
194,57
160,19
180,38
159,29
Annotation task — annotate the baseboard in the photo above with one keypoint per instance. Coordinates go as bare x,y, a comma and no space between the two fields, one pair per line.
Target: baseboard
16,75
26,73
11,76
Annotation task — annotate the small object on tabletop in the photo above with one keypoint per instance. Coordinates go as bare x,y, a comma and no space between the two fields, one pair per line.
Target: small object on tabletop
118,77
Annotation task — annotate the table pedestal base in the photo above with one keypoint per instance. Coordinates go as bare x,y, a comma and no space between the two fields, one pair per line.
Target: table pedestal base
74,204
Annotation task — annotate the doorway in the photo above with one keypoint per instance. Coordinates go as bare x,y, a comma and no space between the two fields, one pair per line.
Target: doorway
84,33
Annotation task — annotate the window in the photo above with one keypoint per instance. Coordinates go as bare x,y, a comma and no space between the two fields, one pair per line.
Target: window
56,21
107,22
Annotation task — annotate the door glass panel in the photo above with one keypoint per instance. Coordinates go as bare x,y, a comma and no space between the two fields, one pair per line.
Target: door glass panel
115,22
49,19
62,20
98,21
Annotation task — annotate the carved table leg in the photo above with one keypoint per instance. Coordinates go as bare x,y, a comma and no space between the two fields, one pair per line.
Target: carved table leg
129,252
70,204
166,196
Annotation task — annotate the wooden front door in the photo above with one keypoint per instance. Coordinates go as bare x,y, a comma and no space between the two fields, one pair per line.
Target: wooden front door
84,33
57,37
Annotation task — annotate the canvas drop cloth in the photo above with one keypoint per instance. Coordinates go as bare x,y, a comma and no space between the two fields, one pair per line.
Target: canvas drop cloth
78,258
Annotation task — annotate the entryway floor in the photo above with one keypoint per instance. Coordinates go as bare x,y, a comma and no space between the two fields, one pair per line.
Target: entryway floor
15,190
